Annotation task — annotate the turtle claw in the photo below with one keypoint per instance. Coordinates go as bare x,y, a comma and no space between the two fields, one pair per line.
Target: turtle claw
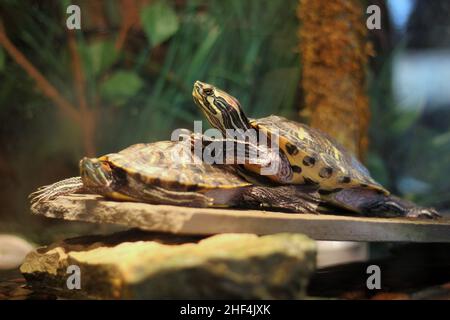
427,213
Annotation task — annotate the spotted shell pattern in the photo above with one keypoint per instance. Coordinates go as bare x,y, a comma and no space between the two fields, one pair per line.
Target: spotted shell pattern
169,164
316,158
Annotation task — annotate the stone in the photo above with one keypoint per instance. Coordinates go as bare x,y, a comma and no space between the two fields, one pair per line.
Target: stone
207,221
13,250
154,266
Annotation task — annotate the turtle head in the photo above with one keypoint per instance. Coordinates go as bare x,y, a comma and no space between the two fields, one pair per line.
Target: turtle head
95,173
222,110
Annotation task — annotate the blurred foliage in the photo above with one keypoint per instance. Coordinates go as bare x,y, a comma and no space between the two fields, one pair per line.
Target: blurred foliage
160,22
141,92
2,59
410,150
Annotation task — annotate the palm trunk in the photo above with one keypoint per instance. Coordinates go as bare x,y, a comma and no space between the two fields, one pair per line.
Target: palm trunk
334,57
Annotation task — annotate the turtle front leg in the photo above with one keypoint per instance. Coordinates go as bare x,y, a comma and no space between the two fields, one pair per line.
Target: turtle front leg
371,203
292,198
419,212
400,207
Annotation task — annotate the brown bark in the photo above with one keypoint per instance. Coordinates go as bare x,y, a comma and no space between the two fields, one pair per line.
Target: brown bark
130,16
334,57
130,19
87,116
97,17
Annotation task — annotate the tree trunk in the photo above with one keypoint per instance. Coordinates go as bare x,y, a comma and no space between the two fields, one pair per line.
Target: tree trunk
334,57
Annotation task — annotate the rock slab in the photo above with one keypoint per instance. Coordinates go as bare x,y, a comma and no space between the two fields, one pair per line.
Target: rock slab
207,221
231,266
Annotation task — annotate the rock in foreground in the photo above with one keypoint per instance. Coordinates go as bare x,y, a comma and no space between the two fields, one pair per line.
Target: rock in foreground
222,266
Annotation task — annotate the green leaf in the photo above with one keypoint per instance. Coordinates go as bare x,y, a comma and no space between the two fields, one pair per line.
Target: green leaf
203,51
377,168
2,59
406,121
160,22
102,55
441,140
121,86
278,89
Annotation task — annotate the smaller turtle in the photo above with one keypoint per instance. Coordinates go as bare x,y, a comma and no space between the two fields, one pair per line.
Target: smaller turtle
304,156
166,172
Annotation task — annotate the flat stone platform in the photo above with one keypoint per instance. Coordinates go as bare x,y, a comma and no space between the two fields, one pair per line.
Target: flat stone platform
207,221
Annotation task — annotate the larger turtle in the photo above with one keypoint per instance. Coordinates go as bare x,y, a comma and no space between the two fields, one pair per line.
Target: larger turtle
168,172
305,156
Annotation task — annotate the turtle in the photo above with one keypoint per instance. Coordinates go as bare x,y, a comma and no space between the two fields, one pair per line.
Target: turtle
304,156
165,172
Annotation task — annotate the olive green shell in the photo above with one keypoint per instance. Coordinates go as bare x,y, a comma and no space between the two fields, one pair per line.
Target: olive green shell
168,164
315,157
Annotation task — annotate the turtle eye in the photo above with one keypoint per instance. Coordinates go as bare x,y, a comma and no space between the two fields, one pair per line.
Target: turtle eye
208,91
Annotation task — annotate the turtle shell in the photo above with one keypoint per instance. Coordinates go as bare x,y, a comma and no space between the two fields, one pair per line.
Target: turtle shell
315,157
169,164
